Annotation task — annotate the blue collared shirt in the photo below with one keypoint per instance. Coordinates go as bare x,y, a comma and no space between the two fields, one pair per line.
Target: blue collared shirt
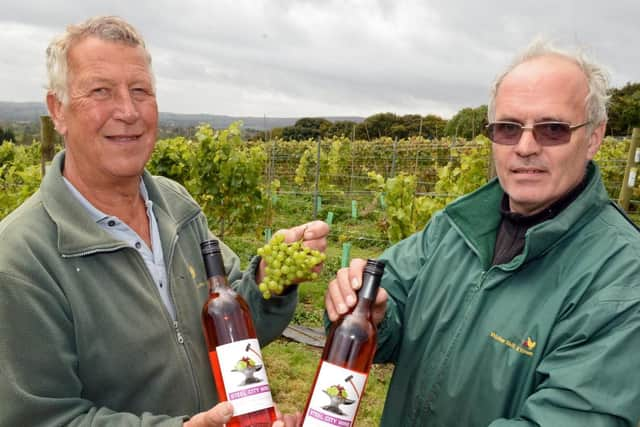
153,257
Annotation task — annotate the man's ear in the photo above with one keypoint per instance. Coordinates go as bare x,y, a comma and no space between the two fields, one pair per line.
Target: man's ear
595,139
56,111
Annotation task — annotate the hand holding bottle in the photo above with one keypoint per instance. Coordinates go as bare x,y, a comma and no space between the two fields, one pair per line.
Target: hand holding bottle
341,293
346,359
222,412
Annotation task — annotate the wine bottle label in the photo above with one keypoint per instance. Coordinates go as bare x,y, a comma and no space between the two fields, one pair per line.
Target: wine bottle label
244,376
335,397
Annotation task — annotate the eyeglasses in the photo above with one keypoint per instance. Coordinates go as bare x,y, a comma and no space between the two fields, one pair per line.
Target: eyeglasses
545,133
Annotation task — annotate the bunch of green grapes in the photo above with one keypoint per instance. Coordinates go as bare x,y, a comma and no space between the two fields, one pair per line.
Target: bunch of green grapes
287,263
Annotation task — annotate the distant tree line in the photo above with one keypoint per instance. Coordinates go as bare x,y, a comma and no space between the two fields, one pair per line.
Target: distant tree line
624,115
375,126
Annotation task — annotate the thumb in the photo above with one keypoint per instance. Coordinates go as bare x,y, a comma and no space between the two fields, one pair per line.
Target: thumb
293,234
219,414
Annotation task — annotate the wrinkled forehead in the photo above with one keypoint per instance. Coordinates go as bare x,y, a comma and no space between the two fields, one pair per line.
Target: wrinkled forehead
552,74
546,85
102,40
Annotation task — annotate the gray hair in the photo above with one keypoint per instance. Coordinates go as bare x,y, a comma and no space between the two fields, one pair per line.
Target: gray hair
597,79
107,28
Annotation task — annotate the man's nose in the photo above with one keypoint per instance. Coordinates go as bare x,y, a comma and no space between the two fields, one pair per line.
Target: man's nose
126,108
527,145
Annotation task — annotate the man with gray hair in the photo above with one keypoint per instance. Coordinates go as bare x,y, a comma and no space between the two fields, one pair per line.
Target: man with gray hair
101,277
518,304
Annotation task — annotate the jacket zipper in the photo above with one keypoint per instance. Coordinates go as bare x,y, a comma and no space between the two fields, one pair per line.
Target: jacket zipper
178,333
94,251
176,324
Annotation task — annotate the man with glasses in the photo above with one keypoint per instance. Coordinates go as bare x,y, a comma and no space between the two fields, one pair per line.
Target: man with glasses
518,304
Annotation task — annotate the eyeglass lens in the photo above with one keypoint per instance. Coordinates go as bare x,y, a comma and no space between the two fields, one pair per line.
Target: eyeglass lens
547,133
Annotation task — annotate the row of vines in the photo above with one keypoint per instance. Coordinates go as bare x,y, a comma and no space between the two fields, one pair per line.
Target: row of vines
394,185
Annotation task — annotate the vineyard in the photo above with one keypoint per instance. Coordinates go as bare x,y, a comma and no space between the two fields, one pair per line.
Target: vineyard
373,193
247,186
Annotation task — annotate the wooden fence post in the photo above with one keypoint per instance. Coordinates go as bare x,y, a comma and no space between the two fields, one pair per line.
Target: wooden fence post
47,138
316,192
491,170
630,171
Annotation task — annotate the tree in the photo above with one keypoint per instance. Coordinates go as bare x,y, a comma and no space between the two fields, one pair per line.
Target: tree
624,109
341,128
306,128
377,126
467,123
7,135
433,126
411,125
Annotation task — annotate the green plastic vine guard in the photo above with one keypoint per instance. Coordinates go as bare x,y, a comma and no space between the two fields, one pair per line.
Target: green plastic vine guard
329,219
346,254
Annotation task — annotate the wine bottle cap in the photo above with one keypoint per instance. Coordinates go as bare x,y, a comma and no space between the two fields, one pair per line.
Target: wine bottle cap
209,247
374,267
371,279
213,263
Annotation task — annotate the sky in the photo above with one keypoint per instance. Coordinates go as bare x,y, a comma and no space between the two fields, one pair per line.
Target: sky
311,58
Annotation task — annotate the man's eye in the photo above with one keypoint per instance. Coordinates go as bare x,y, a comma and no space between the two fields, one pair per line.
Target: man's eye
100,91
140,92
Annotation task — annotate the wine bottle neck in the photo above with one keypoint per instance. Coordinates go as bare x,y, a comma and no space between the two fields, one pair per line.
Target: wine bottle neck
214,268
367,294
363,307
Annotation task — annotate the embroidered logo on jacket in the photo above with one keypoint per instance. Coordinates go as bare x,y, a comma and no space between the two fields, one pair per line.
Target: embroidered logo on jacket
525,348
529,343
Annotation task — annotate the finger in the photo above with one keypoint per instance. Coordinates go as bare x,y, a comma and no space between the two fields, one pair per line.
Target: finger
293,420
316,230
356,267
278,413
340,292
220,414
293,234
381,297
332,312
379,306
318,244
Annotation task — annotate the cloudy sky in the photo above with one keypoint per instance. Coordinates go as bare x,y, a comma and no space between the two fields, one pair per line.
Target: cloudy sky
293,58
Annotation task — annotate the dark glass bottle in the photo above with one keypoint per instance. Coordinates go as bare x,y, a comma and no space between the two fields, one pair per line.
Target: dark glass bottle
234,352
346,360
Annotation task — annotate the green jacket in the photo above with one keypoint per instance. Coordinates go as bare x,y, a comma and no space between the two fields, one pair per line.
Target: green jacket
551,338
84,336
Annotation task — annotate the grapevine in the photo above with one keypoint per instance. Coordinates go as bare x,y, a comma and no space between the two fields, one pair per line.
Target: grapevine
287,263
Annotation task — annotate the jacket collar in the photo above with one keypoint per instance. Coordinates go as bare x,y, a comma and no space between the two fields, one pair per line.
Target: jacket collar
477,217
78,234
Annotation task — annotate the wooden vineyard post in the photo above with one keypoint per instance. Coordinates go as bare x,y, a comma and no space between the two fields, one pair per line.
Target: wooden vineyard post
631,170
491,172
47,137
316,193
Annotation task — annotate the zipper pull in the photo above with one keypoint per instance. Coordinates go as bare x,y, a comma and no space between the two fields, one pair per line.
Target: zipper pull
178,334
